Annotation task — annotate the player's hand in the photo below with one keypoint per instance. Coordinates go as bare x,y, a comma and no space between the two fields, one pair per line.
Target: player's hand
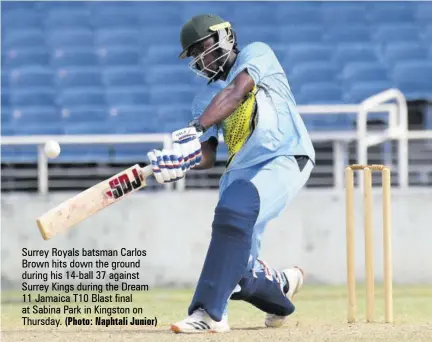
170,165
188,141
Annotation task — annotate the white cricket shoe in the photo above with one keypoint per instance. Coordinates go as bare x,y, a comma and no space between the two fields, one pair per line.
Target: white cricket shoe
200,322
295,277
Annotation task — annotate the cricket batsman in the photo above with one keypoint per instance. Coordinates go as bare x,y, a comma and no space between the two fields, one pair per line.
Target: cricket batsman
270,158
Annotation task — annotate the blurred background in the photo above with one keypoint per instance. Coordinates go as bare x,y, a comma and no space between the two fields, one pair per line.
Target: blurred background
74,68
105,80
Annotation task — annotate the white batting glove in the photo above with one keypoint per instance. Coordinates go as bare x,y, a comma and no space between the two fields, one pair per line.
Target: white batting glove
170,165
188,141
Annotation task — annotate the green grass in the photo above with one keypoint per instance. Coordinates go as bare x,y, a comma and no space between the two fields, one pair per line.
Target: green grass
320,316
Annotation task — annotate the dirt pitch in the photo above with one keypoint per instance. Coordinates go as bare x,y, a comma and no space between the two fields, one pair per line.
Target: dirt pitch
320,316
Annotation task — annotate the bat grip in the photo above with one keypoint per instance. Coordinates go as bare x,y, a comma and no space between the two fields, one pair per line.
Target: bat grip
147,171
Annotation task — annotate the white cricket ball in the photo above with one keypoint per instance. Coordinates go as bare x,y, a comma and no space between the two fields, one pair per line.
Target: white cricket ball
52,149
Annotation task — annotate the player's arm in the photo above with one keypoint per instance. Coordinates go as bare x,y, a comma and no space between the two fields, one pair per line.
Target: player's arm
208,154
227,100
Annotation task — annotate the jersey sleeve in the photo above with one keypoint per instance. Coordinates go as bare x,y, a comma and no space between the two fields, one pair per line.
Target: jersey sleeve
259,60
198,106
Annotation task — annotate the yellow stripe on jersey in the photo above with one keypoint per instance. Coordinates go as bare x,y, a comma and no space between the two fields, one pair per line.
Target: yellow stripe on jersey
238,127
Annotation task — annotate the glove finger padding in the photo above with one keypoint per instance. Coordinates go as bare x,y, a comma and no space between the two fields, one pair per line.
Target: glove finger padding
156,169
166,156
198,155
192,149
177,161
186,154
161,163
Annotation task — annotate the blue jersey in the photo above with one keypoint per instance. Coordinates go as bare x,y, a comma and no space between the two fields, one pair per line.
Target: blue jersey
267,124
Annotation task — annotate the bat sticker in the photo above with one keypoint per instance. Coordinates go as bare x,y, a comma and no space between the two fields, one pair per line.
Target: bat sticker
122,185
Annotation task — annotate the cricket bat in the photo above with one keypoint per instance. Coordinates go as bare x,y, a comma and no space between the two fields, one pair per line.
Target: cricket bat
87,203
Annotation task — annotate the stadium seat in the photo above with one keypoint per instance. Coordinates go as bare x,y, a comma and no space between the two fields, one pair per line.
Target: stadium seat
93,96
117,96
178,114
398,52
344,14
414,78
130,153
83,152
34,115
312,52
391,33
320,93
289,7
296,15
364,71
5,97
162,36
78,77
346,53
212,7
312,72
89,127
46,6
252,14
6,130
70,18
83,114
249,34
351,34
165,14
37,96
123,76
25,18
38,128
129,113
119,56
32,76
4,80
295,34
23,38
134,119
162,54
6,114
360,91
390,14
19,153
170,75
327,122
9,6
20,57
118,37
73,37
423,12
97,6
121,60
385,5
280,50
74,57
174,95
427,34
116,18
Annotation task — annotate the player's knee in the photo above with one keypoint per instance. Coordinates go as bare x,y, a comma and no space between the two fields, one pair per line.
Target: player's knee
237,210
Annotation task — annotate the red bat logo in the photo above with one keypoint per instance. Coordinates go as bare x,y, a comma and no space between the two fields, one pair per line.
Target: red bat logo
121,185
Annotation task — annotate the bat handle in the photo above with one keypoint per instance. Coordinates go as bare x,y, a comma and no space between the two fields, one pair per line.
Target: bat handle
147,171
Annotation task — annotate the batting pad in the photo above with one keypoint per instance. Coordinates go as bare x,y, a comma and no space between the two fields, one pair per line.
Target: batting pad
264,292
229,250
